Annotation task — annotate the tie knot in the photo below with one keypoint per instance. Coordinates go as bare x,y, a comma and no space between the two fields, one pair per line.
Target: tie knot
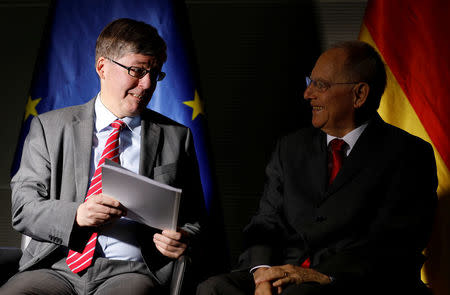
337,144
118,124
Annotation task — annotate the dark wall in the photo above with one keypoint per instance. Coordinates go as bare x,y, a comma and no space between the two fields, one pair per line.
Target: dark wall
21,27
252,57
252,62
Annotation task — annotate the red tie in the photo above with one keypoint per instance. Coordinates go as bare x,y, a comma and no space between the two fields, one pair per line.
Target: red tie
335,163
336,157
79,261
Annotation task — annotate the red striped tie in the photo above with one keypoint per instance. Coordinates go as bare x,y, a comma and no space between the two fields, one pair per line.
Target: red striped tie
79,261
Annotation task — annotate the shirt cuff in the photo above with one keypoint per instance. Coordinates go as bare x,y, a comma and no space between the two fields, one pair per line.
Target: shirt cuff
253,269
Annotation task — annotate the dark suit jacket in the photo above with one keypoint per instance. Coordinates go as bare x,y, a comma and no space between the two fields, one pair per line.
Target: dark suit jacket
372,222
53,179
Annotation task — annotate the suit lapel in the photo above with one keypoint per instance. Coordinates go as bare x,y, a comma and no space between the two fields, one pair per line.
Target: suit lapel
360,155
318,160
150,138
83,128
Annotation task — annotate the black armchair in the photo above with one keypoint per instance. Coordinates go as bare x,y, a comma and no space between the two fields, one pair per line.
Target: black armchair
9,262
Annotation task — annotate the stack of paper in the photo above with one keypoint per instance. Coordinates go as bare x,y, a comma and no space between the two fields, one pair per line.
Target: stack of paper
147,201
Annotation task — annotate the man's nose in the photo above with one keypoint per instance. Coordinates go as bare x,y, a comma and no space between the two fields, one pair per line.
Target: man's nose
309,93
145,82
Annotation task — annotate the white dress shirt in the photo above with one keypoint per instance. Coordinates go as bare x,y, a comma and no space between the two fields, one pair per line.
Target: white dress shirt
117,240
350,138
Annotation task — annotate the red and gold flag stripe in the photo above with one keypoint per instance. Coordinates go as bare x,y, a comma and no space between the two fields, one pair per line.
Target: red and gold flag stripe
413,37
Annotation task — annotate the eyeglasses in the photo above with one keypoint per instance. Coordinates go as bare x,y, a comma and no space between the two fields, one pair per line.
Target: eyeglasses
323,86
139,73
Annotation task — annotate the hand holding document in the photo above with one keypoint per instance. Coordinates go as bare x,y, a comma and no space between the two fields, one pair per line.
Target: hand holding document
147,201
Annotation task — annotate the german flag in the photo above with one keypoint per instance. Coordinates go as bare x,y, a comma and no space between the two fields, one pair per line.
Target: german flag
413,37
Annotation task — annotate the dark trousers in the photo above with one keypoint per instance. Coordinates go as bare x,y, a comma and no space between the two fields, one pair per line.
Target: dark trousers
103,277
241,283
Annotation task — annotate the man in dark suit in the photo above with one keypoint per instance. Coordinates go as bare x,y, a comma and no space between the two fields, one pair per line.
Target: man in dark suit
348,205
61,155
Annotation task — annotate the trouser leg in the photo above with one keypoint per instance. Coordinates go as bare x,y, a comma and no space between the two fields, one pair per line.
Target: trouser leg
129,283
234,283
38,282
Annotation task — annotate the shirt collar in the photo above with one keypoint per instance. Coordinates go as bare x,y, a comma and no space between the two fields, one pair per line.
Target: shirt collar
350,138
104,117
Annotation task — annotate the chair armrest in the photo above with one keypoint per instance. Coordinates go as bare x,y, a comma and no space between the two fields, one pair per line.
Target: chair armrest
9,262
179,269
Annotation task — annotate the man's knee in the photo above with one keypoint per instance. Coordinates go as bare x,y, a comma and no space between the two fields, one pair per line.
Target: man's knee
129,283
309,289
232,283
42,281
210,286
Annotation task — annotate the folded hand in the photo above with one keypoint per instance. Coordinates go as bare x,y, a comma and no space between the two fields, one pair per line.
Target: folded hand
289,274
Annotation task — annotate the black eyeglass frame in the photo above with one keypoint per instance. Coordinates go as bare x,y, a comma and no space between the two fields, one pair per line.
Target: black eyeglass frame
326,85
134,71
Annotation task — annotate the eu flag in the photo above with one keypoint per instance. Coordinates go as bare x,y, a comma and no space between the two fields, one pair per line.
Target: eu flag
65,73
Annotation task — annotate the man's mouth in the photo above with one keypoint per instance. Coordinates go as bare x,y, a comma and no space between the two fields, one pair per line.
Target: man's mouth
317,108
137,95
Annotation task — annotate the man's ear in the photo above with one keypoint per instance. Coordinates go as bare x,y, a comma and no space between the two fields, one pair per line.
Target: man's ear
100,67
360,93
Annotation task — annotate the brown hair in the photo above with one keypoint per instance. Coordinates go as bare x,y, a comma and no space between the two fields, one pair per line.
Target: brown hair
125,35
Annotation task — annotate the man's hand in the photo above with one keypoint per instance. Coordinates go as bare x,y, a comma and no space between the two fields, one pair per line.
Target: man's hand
289,274
99,210
170,244
264,288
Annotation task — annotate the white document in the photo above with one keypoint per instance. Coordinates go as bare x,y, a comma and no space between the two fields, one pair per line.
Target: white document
147,201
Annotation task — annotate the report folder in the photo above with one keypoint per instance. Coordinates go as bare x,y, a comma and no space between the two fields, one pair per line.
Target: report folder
146,200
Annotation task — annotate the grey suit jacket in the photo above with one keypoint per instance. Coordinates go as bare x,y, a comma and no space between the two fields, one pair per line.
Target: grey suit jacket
53,179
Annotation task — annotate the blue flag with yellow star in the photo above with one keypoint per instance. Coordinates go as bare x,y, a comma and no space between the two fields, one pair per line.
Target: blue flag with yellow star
65,72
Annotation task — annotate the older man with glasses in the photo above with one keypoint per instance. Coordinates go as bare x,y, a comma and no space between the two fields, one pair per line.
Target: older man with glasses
349,203
81,241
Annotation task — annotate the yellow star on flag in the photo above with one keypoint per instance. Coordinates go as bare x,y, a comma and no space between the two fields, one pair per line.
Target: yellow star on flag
30,108
196,105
